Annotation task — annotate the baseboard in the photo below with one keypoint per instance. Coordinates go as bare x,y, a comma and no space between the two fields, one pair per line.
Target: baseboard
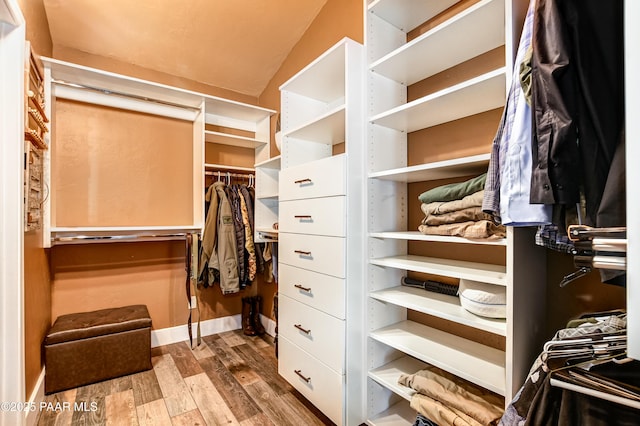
168,336
269,325
37,396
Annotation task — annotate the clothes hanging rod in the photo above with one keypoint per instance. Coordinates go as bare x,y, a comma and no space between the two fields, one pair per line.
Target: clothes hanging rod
122,94
228,174
80,239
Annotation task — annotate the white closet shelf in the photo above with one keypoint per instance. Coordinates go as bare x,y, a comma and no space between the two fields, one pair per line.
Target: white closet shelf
408,14
477,363
479,94
267,196
324,78
418,236
388,374
457,167
106,81
438,305
328,129
483,272
235,110
446,45
399,414
229,139
271,163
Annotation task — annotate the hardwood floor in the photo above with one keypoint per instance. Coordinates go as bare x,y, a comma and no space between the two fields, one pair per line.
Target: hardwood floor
230,379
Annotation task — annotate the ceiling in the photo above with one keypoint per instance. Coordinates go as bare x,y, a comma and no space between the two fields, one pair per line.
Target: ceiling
233,44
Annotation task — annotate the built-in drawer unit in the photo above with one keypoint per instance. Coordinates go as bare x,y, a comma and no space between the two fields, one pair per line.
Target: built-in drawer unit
316,216
313,252
317,290
312,330
320,178
317,382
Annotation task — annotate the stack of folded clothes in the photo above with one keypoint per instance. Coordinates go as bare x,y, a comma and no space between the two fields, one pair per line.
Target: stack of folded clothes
456,209
444,399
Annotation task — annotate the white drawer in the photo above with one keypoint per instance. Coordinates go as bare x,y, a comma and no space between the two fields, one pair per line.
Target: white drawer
321,178
316,332
313,252
318,383
320,291
317,216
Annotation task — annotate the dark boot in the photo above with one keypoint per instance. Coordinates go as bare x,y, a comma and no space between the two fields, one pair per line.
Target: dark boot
247,317
256,303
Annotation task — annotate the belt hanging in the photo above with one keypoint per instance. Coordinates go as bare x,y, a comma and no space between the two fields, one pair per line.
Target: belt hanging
188,251
194,278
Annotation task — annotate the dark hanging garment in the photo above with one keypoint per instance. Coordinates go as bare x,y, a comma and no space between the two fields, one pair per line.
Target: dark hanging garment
577,99
232,195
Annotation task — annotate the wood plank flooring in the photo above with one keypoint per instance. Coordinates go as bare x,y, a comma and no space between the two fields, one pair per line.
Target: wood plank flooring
231,379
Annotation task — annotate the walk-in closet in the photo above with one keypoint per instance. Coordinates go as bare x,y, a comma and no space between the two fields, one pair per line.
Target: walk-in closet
324,212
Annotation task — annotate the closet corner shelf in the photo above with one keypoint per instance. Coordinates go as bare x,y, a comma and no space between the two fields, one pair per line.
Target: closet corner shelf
271,163
324,78
399,414
483,272
229,139
328,129
457,167
104,234
444,44
268,233
479,94
440,306
388,375
417,236
472,361
408,14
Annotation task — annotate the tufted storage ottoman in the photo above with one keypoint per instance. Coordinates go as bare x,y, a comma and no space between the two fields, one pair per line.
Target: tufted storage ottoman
88,347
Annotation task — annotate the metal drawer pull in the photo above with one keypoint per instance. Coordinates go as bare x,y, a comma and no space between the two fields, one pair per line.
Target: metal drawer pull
299,373
307,289
307,180
299,327
300,216
304,253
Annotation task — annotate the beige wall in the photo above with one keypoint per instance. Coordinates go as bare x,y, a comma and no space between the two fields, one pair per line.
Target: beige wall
112,65
37,26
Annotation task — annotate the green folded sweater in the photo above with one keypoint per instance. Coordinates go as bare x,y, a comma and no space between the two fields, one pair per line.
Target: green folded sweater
454,191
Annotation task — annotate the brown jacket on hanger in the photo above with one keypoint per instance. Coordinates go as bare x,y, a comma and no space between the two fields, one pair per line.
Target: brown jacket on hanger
219,242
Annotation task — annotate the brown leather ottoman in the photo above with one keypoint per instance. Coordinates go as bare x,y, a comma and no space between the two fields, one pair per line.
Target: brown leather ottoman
88,347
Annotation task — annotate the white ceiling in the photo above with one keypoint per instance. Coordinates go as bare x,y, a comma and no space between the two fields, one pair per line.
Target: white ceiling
232,44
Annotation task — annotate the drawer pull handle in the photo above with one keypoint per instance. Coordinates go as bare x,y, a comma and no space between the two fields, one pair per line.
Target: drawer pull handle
299,373
301,216
307,180
304,253
304,330
307,289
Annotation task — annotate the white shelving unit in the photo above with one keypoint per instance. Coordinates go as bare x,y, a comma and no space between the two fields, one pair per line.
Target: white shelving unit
321,233
397,343
266,207
76,82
